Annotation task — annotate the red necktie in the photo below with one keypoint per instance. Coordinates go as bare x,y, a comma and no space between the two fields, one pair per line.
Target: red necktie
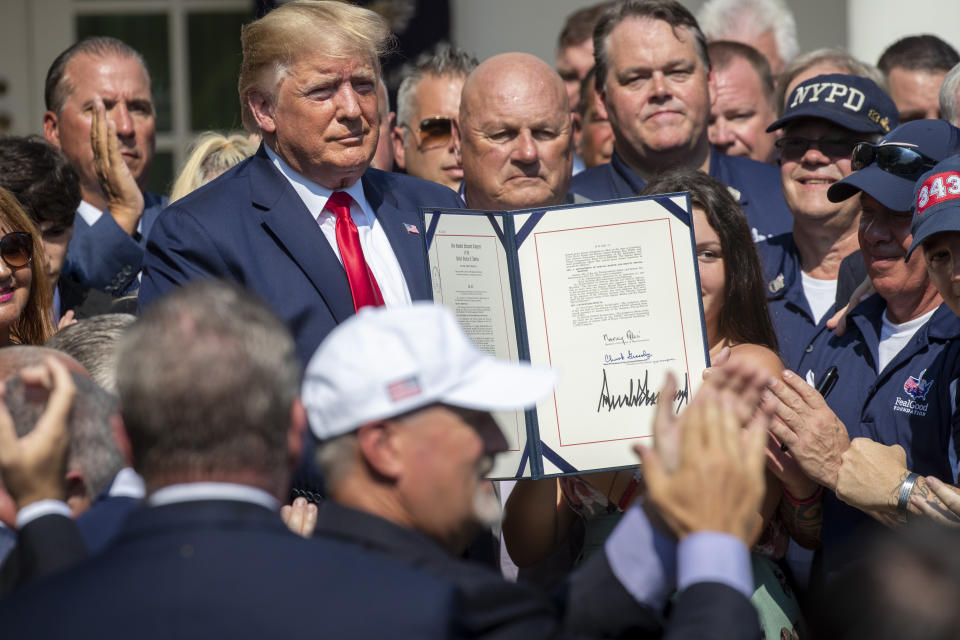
363,286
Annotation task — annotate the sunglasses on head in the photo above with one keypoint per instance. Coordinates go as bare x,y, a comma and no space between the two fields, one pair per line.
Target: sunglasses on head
900,161
433,132
792,148
16,249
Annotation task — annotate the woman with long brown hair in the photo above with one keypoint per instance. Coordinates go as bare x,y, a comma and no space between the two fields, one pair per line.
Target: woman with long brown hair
25,314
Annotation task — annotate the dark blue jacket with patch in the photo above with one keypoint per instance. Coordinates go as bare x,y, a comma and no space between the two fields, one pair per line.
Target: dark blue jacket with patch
912,402
756,186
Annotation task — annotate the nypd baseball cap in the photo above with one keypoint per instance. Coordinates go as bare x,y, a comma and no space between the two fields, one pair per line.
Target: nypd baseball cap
385,362
891,167
936,202
852,102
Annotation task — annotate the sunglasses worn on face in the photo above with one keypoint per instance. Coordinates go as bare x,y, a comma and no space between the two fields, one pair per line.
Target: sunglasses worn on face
900,161
795,148
433,132
16,249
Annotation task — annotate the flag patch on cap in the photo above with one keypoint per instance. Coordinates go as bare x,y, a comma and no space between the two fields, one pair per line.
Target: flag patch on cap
411,228
938,188
403,388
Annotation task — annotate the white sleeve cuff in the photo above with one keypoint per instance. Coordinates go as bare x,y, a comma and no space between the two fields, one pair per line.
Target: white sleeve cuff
39,509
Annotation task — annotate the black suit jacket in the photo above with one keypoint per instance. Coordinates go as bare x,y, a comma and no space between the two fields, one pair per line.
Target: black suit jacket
591,603
46,546
224,569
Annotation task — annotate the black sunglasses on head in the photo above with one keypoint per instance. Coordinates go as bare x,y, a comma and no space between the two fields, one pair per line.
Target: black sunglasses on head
16,249
433,132
904,162
793,148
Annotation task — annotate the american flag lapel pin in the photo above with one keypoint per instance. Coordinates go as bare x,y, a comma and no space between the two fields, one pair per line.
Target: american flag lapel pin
411,228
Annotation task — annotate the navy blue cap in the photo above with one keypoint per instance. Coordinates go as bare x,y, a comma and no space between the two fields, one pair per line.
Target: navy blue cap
852,102
936,139
937,202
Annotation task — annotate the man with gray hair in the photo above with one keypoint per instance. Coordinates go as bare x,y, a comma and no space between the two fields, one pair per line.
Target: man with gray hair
305,223
93,342
766,25
655,87
950,96
821,62
214,425
428,104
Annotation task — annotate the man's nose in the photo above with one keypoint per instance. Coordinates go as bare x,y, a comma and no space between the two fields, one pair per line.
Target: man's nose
121,117
348,104
525,150
720,133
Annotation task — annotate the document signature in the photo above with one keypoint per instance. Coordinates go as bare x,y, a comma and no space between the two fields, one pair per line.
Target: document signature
628,338
629,356
639,394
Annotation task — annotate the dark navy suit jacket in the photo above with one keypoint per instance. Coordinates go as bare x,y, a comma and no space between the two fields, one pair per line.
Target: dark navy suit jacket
250,226
591,603
223,569
106,257
757,185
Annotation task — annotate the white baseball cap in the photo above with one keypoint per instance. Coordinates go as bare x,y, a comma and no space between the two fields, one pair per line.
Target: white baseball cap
385,362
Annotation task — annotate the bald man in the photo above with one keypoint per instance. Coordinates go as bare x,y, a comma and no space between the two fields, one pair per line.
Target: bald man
516,134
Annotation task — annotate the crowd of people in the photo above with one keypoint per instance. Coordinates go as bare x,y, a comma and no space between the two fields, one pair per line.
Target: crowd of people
233,410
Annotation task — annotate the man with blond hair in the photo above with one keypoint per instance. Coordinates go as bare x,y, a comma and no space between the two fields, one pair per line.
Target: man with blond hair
305,223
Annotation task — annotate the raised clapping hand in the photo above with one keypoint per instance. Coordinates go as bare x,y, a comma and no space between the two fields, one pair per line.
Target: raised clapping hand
809,429
300,517
34,466
124,198
707,470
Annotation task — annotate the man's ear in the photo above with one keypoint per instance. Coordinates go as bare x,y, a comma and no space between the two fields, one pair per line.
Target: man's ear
599,98
396,137
121,438
380,445
295,433
261,106
576,121
712,88
76,493
51,128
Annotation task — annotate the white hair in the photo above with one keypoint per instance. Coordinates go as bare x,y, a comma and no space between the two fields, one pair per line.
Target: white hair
723,19
949,109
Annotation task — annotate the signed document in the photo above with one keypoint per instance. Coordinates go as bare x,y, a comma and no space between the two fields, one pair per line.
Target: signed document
605,293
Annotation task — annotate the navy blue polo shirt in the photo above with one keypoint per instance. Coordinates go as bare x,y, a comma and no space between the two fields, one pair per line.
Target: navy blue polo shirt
912,402
756,186
790,312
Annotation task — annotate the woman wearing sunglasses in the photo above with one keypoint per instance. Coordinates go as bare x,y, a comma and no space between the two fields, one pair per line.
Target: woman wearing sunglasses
735,312
25,315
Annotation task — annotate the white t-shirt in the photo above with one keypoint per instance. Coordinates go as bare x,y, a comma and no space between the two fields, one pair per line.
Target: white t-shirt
820,294
894,337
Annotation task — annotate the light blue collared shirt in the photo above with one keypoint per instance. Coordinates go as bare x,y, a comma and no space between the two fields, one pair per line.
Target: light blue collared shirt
649,565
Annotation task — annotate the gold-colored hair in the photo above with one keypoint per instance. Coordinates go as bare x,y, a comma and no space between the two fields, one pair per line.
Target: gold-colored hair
273,42
212,154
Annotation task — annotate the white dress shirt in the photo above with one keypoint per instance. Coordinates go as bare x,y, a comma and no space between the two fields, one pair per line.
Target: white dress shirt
376,246
195,491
